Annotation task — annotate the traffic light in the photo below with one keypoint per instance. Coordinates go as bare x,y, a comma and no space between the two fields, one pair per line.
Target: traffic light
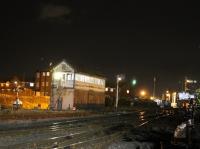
134,82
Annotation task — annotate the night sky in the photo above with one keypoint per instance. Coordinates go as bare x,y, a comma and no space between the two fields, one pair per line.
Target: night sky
135,38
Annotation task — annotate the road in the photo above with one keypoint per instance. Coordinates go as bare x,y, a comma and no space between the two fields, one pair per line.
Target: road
90,132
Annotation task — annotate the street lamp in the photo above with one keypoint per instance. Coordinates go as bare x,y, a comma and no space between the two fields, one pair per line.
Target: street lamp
142,93
119,78
127,91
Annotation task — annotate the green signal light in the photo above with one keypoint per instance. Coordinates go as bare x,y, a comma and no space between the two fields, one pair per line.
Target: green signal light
134,82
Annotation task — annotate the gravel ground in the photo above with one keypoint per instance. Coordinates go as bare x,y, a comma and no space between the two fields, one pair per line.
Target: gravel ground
157,134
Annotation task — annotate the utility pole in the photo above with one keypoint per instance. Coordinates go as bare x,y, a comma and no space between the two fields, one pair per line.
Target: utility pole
154,87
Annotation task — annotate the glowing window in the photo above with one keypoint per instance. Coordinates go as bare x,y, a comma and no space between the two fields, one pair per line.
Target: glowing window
37,85
69,76
31,84
48,74
38,75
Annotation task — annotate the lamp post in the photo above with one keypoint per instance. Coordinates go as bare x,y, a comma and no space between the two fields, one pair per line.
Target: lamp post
154,87
17,89
119,78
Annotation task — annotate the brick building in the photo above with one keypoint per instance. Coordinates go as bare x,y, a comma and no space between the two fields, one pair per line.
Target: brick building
9,87
43,83
68,87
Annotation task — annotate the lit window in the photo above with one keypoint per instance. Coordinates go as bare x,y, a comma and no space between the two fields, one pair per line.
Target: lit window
2,85
47,83
7,84
38,75
31,84
57,75
43,73
69,77
48,74
42,83
87,79
37,85
83,78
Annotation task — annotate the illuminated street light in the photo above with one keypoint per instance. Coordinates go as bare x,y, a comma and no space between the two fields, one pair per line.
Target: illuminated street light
127,91
142,93
191,81
16,82
119,78
107,89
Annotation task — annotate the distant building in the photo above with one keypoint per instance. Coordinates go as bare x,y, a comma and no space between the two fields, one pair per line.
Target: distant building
68,87
43,83
9,87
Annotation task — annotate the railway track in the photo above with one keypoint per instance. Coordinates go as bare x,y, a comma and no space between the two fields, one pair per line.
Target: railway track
104,141
85,133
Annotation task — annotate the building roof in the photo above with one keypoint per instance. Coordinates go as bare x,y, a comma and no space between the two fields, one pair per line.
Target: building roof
82,70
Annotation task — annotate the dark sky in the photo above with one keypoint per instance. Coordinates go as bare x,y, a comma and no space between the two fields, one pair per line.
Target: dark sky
135,38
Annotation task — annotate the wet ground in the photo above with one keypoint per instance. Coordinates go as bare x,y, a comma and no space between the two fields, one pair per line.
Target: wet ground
122,130
158,134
